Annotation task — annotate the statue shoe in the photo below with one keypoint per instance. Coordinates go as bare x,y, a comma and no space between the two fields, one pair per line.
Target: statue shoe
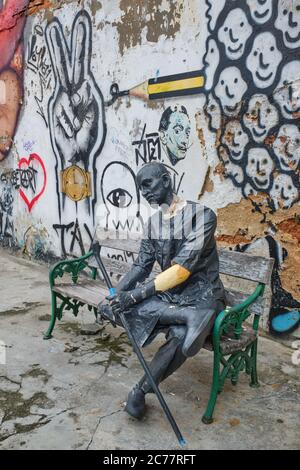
136,404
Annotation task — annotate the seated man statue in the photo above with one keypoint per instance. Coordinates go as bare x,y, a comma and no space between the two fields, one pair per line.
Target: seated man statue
183,300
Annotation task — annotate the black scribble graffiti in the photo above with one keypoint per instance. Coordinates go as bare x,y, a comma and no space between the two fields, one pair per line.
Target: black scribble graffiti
71,238
253,96
37,62
147,148
24,178
76,109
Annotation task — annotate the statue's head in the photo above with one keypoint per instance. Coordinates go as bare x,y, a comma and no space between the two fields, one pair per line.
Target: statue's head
155,184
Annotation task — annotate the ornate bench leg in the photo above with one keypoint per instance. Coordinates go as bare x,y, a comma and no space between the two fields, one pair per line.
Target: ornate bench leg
48,335
207,418
254,379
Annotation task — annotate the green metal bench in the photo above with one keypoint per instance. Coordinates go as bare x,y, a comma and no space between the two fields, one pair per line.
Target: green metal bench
233,340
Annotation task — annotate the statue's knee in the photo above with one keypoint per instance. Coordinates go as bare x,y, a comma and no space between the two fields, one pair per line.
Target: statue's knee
178,332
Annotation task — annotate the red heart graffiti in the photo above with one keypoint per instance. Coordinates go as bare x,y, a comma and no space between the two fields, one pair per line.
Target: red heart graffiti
24,161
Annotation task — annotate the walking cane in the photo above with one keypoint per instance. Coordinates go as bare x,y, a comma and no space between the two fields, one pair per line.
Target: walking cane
112,291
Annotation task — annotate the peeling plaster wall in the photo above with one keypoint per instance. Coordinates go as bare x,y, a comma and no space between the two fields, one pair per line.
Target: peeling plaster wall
66,60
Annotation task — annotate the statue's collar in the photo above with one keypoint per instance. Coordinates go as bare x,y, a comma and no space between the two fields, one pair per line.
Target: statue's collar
177,205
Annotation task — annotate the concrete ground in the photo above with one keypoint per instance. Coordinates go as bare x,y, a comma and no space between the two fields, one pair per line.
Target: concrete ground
69,392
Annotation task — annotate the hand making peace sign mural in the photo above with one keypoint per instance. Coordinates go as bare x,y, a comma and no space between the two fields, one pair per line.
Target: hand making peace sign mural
76,108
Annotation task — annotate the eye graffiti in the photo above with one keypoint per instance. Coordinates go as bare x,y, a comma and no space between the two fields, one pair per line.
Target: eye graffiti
235,33
260,10
119,198
284,193
288,22
263,60
260,117
259,168
287,147
252,102
121,208
230,90
287,93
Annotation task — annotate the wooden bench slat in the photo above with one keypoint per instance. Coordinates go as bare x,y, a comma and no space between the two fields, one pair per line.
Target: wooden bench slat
84,292
233,263
93,292
245,266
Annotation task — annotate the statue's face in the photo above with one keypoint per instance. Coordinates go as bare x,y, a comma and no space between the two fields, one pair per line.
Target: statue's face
153,186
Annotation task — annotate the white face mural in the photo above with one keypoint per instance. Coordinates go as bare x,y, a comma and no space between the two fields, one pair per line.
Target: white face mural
288,22
230,90
232,171
287,93
213,110
214,10
260,117
283,192
248,190
234,33
211,62
261,10
259,168
287,147
235,139
264,59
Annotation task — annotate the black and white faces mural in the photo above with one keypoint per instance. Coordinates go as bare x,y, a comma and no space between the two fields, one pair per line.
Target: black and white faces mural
76,107
252,65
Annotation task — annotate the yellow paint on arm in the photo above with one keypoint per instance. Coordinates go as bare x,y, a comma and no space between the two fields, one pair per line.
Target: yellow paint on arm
170,278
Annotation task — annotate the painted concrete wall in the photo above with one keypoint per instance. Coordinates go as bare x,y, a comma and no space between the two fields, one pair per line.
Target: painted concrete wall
234,147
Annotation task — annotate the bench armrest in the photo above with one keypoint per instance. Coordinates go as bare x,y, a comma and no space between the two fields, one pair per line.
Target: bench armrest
231,319
73,267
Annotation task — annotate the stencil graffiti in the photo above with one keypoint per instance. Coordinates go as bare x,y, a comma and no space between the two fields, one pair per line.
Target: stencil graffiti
12,22
76,109
6,210
175,130
253,95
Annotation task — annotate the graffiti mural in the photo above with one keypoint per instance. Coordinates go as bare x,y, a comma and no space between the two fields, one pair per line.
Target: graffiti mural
76,108
175,130
121,198
253,95
71,238
284,315
12,22
6,210
30,179
39,63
